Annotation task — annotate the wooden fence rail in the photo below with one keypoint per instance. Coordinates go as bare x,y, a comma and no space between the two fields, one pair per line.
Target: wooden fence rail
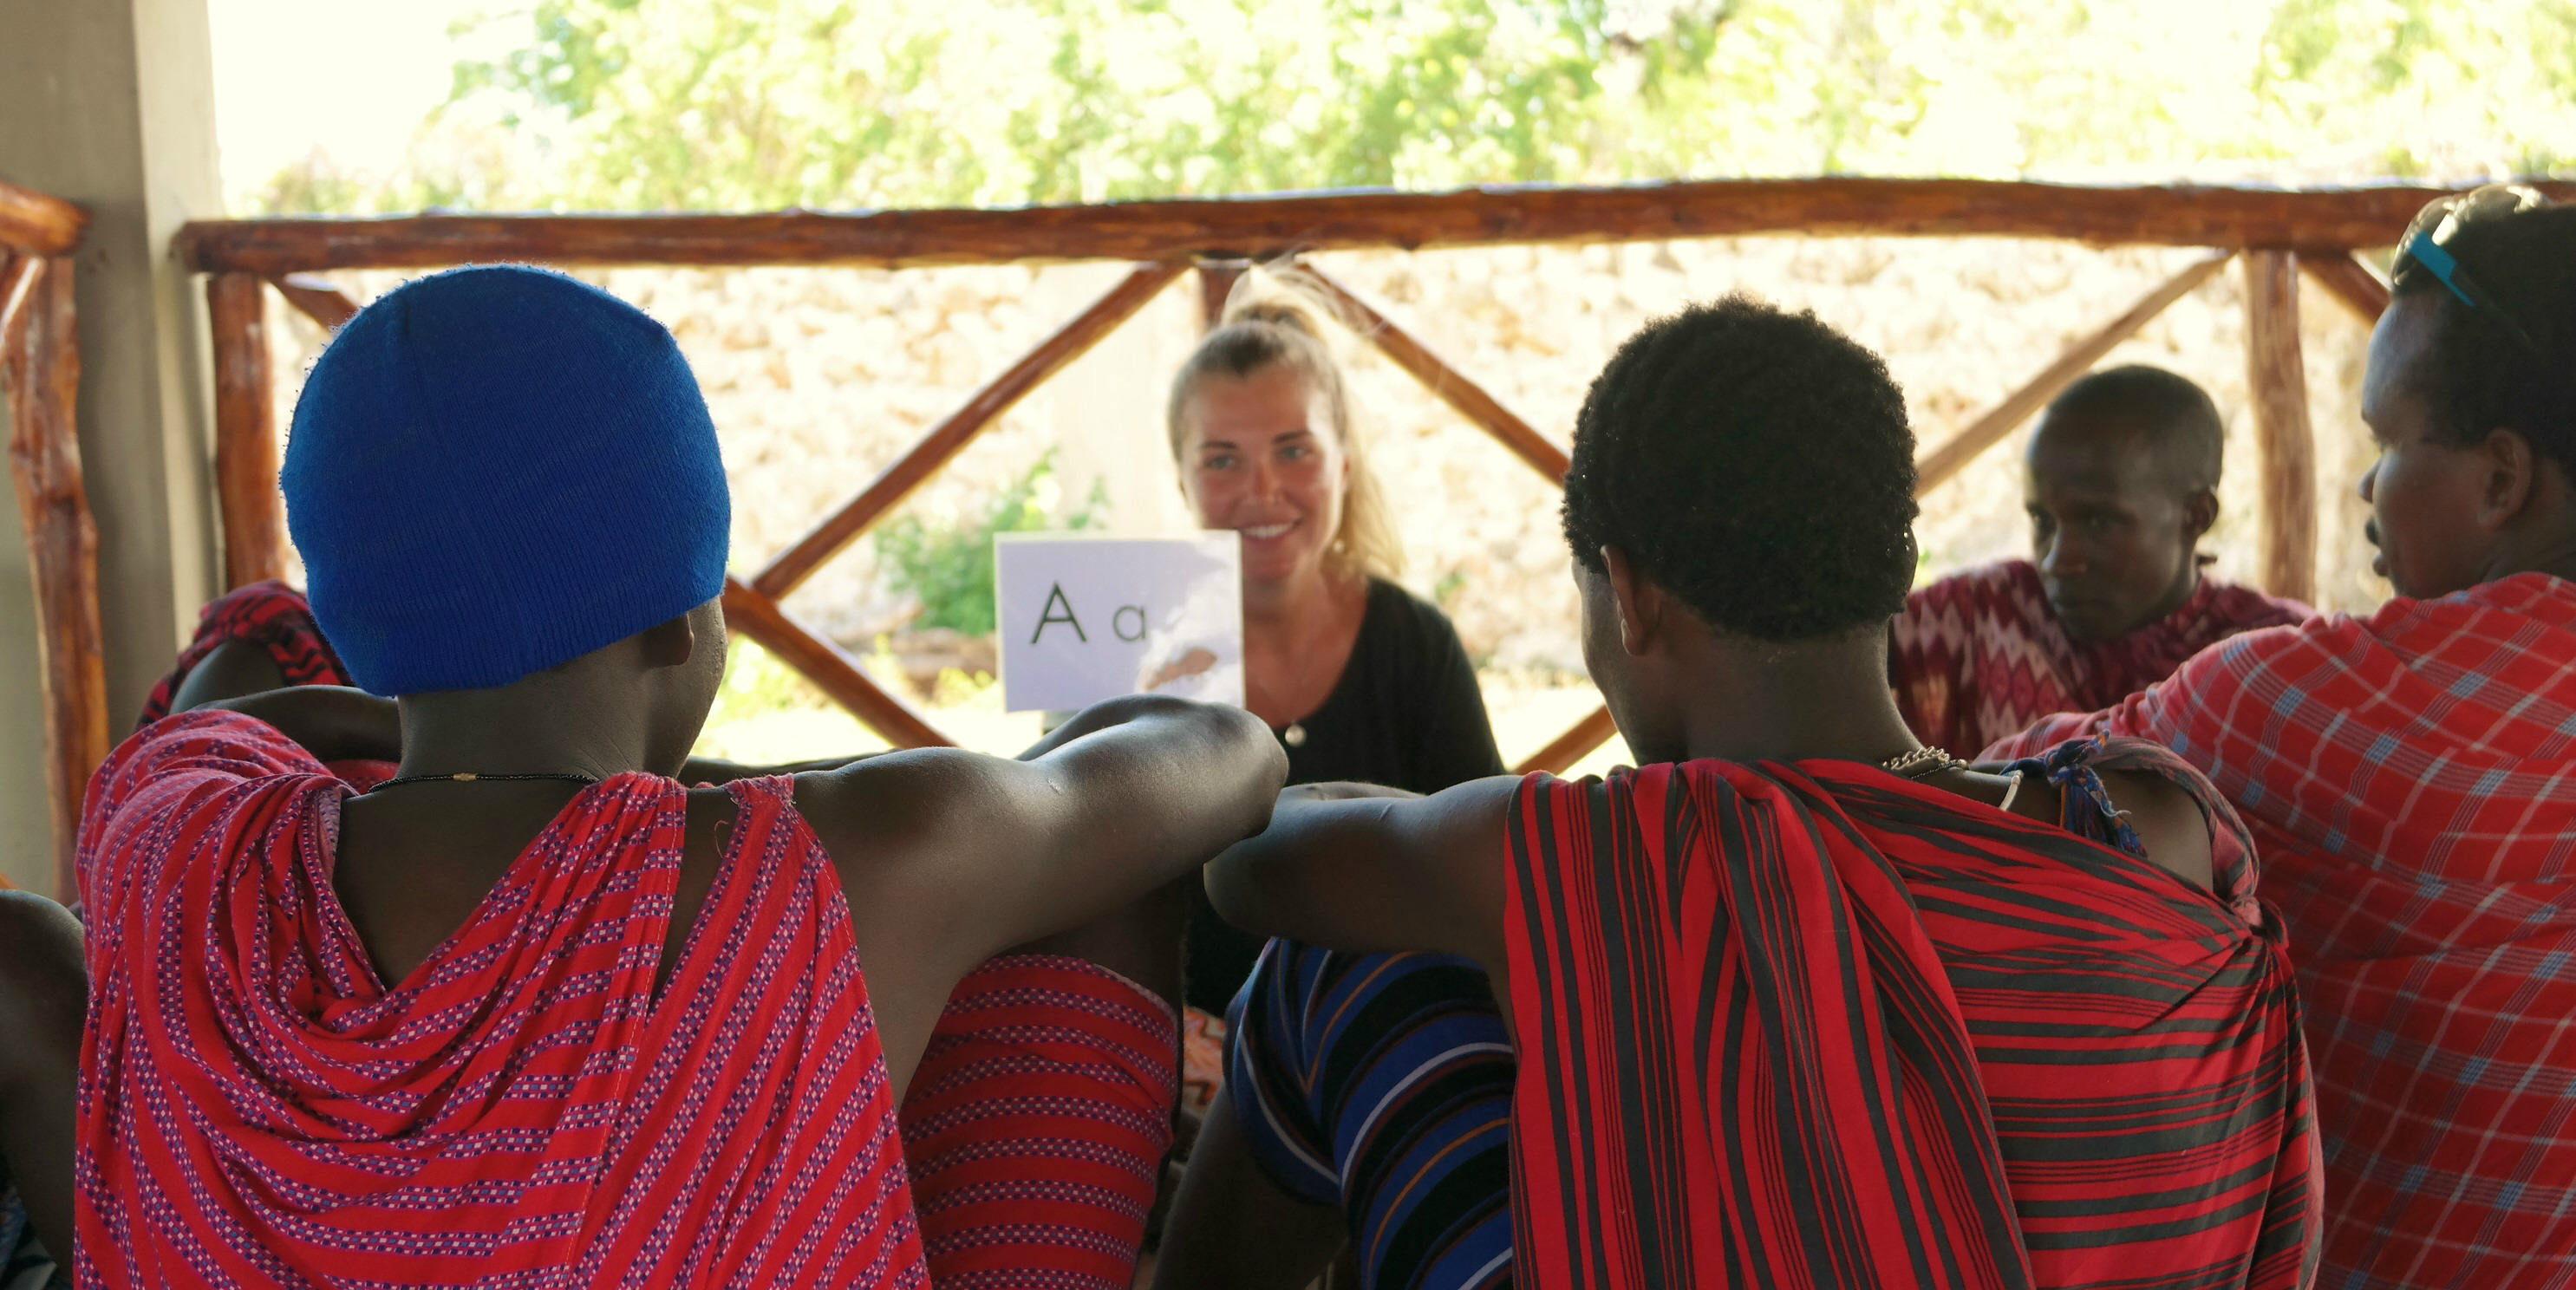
1264,227
2278,234
40,368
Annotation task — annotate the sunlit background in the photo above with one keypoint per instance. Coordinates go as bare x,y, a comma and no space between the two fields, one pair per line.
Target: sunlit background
819,377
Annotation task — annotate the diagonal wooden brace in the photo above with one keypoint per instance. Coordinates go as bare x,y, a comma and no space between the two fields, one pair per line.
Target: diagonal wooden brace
950,437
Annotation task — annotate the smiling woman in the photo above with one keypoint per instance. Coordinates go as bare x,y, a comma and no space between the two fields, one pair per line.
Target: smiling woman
1360,679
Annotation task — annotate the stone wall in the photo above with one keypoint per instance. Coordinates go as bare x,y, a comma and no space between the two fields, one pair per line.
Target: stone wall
818,377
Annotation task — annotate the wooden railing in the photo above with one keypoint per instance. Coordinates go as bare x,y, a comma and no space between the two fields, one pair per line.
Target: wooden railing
2277,233
40,367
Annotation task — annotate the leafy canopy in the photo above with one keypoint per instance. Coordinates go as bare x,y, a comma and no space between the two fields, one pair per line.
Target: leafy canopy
756,104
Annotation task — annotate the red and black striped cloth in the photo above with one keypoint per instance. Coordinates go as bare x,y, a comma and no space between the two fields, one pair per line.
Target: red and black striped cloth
1813,1025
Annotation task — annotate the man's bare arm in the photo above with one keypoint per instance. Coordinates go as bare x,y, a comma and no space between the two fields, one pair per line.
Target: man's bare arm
332,722
1350,870
951,857
1231,1226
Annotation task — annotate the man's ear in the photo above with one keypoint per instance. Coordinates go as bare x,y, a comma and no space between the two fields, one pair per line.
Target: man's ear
2512,477
669,644
1641,603
2199,513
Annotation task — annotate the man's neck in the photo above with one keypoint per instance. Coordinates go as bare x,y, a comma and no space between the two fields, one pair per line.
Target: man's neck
507,732
1827,701
2554,555
2173,600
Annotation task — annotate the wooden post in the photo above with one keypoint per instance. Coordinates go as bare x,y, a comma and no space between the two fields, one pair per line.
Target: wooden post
17,280
40,364
1216,286
2285,447
254,514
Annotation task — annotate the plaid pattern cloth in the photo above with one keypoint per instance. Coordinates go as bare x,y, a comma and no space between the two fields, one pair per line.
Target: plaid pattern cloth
1979,655
2411,781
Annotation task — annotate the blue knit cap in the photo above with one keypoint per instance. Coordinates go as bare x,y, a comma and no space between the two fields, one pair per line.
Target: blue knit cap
497,470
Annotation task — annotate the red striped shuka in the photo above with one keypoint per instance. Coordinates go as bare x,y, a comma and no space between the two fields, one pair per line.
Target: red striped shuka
527,1109
1812,1025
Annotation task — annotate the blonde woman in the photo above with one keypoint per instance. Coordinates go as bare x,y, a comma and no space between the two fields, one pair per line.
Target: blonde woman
1360,679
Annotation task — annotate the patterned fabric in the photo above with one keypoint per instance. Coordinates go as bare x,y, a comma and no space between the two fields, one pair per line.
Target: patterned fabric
2411,778
523,1109
1381,1085
1980,655
1036,1126
269,613
1814,1025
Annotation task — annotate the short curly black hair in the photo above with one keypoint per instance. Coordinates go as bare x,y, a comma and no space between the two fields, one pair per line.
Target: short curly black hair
2478,376
1755,463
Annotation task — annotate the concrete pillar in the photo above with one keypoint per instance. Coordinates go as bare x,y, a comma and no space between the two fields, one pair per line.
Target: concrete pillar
111,104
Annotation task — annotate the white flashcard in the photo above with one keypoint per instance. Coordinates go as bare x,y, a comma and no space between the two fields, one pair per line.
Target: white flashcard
1086,618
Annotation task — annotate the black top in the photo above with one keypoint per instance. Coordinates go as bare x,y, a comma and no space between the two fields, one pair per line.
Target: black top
1406,713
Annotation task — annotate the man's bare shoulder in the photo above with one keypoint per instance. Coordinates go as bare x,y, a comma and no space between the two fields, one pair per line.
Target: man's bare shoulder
2169,821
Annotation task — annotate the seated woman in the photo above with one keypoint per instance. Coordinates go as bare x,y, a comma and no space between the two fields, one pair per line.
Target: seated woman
1359,679
1800,1002
530,1008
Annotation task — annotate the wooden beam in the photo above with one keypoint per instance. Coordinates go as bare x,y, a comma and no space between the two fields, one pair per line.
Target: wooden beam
254,514
41,368
1936,467
2285,448
828,666
2347,279
35,223
1572,746
1285,224
316,299
950,437
1446,383
1216,286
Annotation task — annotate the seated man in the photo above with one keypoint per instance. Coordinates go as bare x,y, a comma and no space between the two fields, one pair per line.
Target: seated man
1801,1002
2121,481
42,993
532,1010
260,637
2411,778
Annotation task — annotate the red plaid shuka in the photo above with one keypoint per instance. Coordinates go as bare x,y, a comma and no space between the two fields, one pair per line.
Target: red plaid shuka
2411,779
1813,1025
259,1109
1979,655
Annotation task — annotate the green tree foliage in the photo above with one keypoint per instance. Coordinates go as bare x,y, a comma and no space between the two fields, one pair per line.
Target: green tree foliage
742,104
949,568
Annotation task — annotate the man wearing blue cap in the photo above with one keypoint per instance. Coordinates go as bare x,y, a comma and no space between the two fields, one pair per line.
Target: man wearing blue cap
531,1010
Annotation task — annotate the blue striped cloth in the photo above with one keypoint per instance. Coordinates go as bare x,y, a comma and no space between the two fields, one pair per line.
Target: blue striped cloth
1381,1084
